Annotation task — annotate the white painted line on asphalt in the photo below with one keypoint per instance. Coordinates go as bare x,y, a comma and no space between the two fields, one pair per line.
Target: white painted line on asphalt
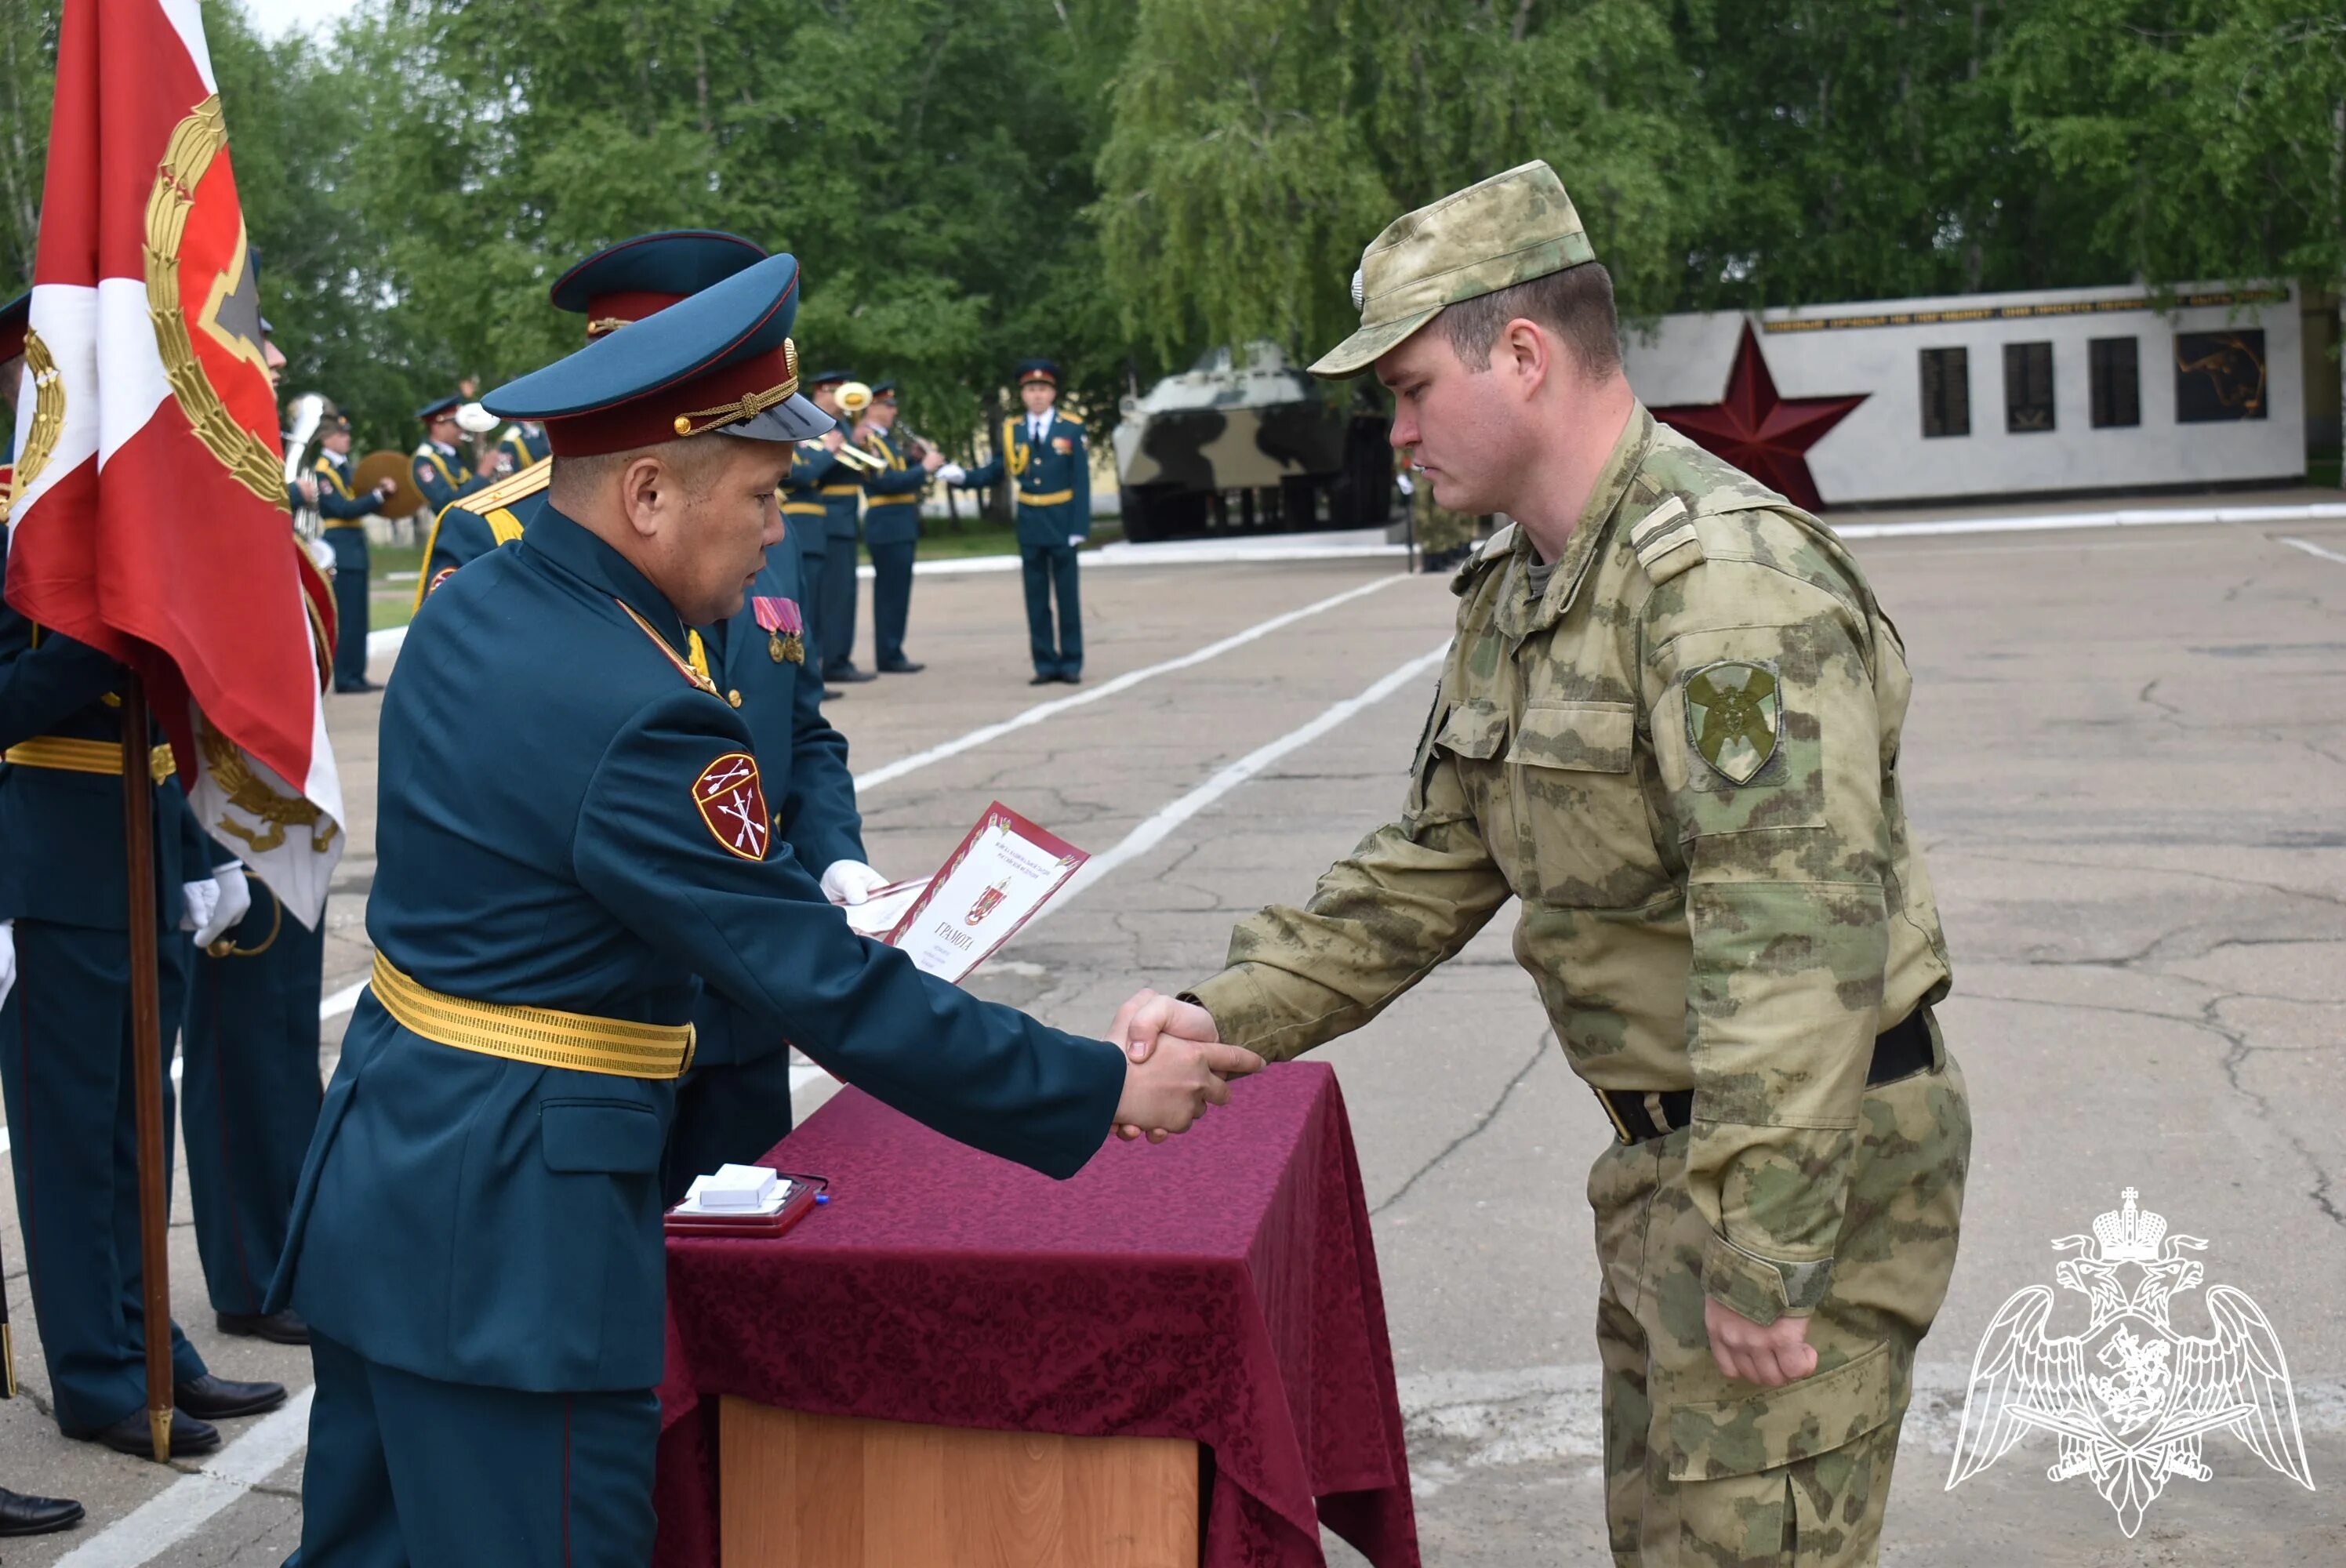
2137,517
341,1001
2313,549
180,1510
1153,832
1125,682
385,641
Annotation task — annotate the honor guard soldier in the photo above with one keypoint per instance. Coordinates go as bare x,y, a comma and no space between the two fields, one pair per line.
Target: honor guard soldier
1668,725
67,1072
1043,458
477,1242
344,511
825,485
891,524
611,288
441,470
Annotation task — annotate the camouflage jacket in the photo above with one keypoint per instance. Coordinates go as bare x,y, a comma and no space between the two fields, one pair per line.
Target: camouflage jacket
1680,757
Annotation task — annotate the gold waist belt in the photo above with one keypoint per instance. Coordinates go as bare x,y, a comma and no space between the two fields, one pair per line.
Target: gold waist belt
840,490
70,755
805,508
545,1036
1057,498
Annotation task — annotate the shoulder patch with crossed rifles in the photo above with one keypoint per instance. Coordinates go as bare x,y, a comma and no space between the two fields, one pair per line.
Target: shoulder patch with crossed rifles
1734,714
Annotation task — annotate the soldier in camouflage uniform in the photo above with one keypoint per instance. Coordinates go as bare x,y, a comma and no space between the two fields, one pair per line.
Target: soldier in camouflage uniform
1669,729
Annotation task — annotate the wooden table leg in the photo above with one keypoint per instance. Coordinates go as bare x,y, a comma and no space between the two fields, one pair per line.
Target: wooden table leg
834,1491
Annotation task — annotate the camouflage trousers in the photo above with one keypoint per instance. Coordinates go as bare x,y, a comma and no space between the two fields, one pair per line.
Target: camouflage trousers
1704,1469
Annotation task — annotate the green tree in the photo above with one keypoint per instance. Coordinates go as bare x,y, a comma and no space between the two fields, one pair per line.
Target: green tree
1258,145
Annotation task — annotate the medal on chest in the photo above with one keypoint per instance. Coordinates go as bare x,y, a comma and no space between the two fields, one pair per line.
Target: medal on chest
785,628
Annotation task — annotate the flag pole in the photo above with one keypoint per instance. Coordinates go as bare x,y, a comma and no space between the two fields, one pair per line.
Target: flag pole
146,1056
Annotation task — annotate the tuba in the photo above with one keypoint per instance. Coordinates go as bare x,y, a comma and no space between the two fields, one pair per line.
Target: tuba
303,415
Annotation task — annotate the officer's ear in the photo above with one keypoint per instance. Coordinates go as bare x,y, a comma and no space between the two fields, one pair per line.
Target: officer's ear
650,492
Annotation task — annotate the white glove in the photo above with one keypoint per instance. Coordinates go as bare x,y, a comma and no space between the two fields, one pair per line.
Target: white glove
1075,541
202,899
952,474
7,959
321,556
235,899
850,882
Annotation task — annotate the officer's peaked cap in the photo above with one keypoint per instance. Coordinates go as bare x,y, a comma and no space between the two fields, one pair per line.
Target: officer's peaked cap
721,362
1038,371
437,407
830,378
636,278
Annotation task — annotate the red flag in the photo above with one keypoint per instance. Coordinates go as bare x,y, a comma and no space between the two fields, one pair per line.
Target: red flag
148,513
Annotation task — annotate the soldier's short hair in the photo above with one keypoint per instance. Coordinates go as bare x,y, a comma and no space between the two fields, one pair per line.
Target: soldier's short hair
1576,303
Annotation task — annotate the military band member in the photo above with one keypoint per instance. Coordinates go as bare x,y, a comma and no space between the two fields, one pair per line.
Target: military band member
440,472
344,510
822,479
1043,458
523,443
610,288
891,524
477,1241
1668,725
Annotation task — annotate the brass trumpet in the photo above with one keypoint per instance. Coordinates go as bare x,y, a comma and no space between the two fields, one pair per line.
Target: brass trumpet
854,397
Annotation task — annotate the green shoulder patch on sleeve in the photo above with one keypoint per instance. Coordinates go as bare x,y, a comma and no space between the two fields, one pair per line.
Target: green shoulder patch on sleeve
1734,712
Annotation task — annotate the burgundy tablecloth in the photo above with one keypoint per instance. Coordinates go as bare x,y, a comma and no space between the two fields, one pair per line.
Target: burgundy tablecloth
1221,1287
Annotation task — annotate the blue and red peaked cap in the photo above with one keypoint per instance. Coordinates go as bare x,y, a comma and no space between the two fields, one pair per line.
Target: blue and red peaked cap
1046,371
16,318
721,362
640,276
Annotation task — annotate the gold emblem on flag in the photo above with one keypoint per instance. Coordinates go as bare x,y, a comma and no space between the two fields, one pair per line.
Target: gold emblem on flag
48,419
195,144
249,794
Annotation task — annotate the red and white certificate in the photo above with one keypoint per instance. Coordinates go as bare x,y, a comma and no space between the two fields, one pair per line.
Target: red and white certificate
1005,870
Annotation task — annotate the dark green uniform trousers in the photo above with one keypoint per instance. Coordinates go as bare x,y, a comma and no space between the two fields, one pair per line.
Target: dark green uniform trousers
891,599
66,1066
252,1092
350,608
1051,568
407,1471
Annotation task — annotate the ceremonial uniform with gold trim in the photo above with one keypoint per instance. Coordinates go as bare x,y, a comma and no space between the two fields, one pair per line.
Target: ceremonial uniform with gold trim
1051,474
468,529
562,863
66,1054
891,534
344,513
524,445
731,1106
444,476
818,483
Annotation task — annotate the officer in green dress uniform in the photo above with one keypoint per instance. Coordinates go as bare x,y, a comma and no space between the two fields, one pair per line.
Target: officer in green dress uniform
1043,453
891,524
344,511
477,1241
614,286
440,472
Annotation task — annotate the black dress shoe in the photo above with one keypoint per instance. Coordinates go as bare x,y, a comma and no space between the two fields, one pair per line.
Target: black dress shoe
22,1515
361,687
286,1328
831,694
1050,679
214,1399
848,675
903,667
1071,677
131,1435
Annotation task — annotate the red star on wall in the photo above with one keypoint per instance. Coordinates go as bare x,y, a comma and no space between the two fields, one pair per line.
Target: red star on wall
1761,433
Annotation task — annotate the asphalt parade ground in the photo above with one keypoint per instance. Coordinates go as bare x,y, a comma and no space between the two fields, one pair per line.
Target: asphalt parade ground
2127,759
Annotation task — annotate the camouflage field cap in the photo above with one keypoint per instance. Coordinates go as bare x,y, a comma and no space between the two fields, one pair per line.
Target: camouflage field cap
1510,229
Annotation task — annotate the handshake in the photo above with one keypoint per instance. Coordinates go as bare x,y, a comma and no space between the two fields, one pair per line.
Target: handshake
1176,1065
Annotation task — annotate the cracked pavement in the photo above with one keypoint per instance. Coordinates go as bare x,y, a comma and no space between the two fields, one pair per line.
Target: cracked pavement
2125,758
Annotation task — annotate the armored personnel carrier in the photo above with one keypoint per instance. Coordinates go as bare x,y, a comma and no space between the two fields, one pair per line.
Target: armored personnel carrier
1247,442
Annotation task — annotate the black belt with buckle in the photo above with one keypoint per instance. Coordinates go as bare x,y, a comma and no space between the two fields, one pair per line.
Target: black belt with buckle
1903,1050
